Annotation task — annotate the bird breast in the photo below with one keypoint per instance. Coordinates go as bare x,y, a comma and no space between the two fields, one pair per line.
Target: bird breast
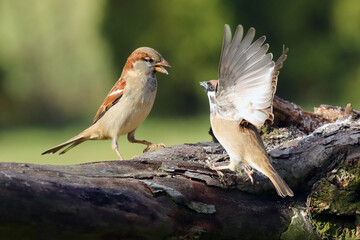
132,109
241,143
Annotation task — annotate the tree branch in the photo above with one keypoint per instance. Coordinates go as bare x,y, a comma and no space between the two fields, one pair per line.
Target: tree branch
171,193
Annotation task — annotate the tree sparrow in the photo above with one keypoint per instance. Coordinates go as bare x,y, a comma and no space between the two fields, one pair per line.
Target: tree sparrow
242,100
127,104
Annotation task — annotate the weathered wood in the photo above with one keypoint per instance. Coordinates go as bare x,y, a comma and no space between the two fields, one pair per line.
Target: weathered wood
170,193
287,113
131,200
291,114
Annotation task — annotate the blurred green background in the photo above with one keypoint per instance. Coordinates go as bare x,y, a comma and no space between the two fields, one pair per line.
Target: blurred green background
59,58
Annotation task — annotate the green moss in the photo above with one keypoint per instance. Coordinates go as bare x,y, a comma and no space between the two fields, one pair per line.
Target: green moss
326,228
265,129
298,230
335,205
162,170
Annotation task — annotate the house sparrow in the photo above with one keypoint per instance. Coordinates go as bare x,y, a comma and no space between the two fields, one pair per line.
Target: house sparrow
242,100
127,104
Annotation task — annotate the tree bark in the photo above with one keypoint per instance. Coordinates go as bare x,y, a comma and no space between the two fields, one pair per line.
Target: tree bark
170,193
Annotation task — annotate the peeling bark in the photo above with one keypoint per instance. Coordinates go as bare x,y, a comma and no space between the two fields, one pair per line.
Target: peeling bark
170,193
290,114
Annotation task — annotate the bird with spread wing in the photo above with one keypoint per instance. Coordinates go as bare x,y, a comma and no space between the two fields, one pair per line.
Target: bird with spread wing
241,101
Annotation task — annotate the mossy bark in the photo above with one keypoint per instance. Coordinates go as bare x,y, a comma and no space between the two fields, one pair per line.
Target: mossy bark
334,204
170,193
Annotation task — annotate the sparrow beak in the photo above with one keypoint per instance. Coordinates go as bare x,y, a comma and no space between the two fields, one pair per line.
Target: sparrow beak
204,85
159,66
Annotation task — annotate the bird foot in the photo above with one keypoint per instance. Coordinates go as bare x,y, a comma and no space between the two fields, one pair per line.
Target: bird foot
150,146
213,167
135,157
249,172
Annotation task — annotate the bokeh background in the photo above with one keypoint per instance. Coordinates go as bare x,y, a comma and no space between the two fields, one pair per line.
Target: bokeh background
59,58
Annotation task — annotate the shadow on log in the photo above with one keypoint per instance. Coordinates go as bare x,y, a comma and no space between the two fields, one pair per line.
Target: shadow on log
170,193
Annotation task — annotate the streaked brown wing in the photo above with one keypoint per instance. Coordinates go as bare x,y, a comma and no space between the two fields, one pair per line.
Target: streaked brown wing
112,98
278,65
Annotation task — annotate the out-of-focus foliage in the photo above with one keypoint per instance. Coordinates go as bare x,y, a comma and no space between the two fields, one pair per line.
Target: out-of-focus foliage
346,20
321,55
59,58
53,59
187,33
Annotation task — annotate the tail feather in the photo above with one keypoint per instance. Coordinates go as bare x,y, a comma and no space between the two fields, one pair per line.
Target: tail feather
263,165
71,146
280,185
73,141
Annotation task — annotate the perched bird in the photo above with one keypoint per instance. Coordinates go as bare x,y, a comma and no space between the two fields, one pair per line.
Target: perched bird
127,104
242,100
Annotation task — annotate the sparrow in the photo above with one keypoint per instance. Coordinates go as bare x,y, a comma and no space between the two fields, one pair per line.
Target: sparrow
241,100
127,104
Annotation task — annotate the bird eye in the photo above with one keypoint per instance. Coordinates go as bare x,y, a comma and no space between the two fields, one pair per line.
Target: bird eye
150,60
211,87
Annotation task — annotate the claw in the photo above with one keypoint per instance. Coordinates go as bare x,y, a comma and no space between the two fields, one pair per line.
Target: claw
154,146
249,172
213,167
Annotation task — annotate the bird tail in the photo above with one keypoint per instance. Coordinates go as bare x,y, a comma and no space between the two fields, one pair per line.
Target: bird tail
72,142
280,185
263,165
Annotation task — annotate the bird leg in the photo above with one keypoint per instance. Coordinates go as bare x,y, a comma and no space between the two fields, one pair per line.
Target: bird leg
115,147
131,138
217,169
249,172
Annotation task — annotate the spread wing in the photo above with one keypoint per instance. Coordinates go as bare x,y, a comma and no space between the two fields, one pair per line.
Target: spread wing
278,65
111,99
247,78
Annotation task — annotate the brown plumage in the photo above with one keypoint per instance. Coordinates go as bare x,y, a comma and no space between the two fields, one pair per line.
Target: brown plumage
244,145
127,104
112,98
242,100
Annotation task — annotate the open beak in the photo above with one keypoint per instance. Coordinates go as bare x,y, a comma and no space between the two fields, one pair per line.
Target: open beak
204,85
159,67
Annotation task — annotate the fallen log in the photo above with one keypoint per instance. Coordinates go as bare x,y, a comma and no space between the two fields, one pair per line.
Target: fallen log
170,193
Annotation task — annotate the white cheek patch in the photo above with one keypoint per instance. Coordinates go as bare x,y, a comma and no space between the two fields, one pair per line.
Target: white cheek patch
116,92
211,96
212,103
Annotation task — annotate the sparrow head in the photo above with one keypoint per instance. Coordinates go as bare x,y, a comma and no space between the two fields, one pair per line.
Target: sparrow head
146,60
210,89
209,86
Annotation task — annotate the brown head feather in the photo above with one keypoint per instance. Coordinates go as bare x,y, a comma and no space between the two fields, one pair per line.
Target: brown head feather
140,54
135,56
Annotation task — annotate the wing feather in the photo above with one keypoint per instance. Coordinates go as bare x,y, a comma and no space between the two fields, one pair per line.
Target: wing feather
278,65
247,77
111,99
225,48
233,48
254,49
